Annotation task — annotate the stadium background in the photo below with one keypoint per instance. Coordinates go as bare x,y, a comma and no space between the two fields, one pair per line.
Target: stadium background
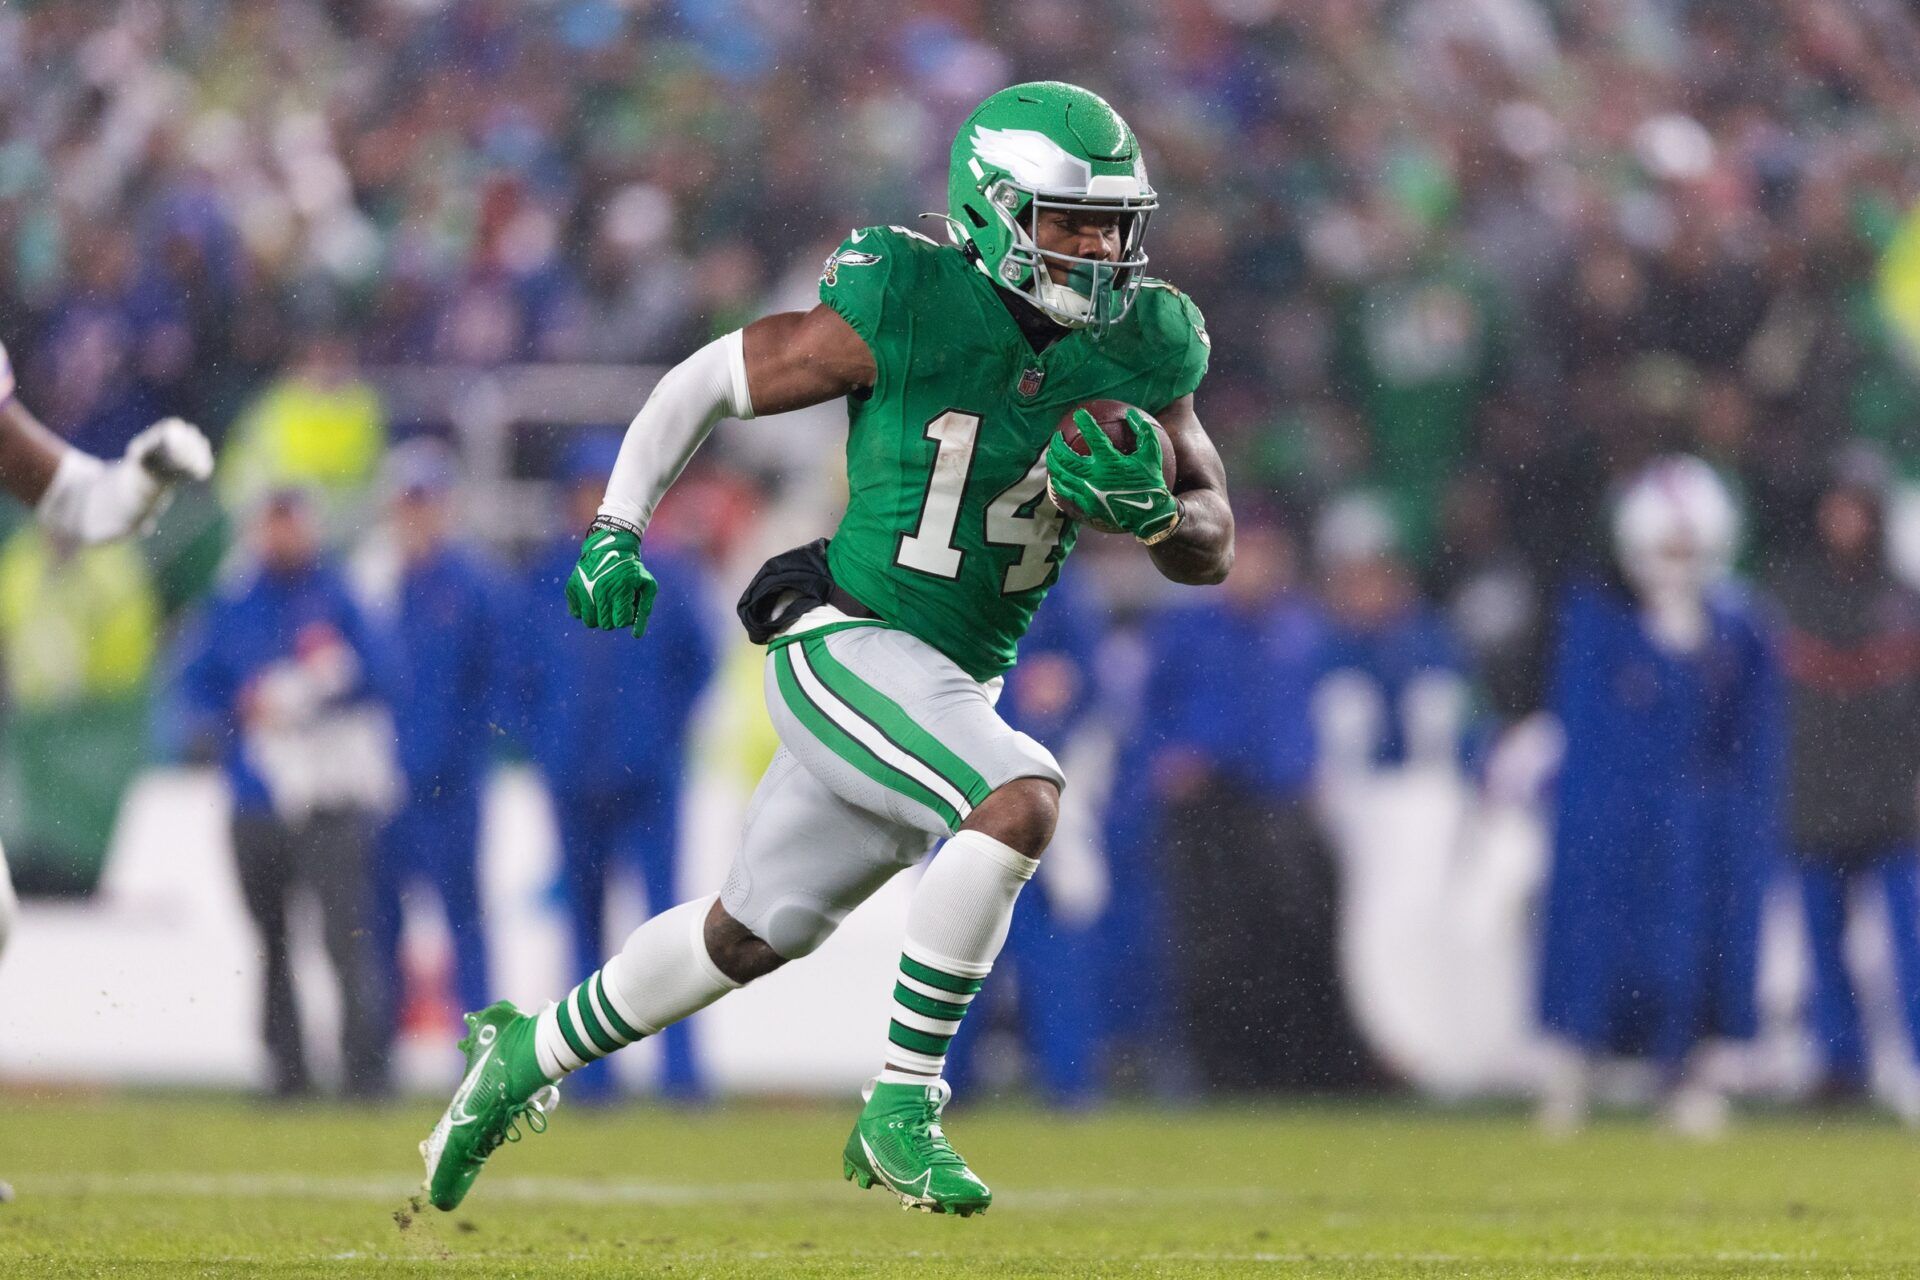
1466,264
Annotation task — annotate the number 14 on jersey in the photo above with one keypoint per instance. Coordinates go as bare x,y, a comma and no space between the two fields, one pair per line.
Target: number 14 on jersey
1019,515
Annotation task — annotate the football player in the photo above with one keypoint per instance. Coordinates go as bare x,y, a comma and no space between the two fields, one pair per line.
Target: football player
81,500
886,645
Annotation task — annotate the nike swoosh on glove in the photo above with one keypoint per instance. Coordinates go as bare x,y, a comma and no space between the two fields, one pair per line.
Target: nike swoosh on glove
1129,490
609,588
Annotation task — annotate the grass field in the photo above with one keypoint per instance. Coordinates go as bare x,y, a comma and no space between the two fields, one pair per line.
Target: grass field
157,1185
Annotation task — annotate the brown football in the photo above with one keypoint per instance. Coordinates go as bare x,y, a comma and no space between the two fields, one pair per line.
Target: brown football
1111,416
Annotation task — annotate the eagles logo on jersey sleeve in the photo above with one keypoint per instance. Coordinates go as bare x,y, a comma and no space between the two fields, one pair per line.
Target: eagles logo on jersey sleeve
830,274
871,280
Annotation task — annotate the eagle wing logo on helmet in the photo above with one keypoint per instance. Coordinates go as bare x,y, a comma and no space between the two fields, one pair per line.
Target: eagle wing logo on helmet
1036,161
830,273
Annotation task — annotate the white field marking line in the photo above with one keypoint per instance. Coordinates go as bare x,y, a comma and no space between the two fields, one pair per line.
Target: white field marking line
374,1187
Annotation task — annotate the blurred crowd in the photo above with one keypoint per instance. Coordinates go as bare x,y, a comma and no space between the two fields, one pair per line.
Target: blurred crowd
1462,251
1470,265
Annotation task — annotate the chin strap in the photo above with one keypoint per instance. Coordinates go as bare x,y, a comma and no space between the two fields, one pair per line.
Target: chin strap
1065,301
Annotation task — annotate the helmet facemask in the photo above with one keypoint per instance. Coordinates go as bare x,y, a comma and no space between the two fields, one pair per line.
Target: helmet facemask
1077,292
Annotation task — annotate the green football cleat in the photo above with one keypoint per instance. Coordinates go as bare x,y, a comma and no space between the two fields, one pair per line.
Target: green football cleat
898,1143
489,1106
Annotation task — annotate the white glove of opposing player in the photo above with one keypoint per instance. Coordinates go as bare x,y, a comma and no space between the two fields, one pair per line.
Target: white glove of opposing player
93,501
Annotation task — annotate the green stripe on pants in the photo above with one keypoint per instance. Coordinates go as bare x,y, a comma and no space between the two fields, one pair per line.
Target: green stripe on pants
889,717
849,748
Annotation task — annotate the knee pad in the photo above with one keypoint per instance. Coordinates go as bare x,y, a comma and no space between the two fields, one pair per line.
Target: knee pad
792,926
1036,762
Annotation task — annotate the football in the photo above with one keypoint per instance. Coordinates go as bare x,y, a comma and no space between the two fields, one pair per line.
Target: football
1111,417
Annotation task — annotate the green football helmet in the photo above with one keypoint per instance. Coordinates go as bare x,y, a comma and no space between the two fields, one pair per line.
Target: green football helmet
1049,145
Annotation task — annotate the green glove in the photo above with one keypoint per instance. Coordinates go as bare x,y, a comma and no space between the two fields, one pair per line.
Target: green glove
610,588
1128,490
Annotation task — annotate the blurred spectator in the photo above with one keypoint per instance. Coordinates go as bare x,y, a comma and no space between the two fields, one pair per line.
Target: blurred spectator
608,719
319,427
1053,933
77,638
1560,200
453,669
1488,593
1852,648
282,678
1418,349
1667,691
1222,761
1392,688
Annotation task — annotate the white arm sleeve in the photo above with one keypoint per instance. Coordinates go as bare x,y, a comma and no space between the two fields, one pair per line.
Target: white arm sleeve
708,385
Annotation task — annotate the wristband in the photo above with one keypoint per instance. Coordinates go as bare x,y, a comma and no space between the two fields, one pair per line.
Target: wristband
615,524
1179,517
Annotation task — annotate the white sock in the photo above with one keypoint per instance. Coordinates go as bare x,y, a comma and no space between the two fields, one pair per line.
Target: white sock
662,975
955,927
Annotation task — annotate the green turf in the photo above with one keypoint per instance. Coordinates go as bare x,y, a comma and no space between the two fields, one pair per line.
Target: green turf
158,1185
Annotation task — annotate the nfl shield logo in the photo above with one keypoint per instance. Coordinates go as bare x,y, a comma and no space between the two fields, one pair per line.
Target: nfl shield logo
1030,380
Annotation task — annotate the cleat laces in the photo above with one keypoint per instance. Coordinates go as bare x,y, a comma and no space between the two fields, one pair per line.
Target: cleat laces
533,1113
926,1131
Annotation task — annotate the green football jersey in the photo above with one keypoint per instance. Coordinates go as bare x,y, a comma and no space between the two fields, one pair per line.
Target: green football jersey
948,533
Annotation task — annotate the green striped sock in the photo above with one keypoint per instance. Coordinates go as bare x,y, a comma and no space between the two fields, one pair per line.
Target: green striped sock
929,1000
584,1027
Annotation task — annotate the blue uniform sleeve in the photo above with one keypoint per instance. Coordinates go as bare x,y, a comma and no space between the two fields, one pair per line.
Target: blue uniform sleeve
1760,741
686,647
1579,690
525,668
206,681
197,704
382,677
1170,704
486,675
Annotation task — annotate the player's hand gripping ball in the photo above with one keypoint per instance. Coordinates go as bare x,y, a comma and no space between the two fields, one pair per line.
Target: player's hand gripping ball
1110,466
609,588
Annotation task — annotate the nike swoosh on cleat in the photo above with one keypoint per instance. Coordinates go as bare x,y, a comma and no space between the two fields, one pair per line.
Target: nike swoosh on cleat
457,1113
899,1186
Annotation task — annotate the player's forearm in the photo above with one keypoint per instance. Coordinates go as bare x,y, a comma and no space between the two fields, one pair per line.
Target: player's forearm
708,385
1200,551
29,453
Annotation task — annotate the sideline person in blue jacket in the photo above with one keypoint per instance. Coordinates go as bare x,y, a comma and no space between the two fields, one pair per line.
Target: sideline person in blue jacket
282,677
452,670
1668,813
1225,892
615,771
